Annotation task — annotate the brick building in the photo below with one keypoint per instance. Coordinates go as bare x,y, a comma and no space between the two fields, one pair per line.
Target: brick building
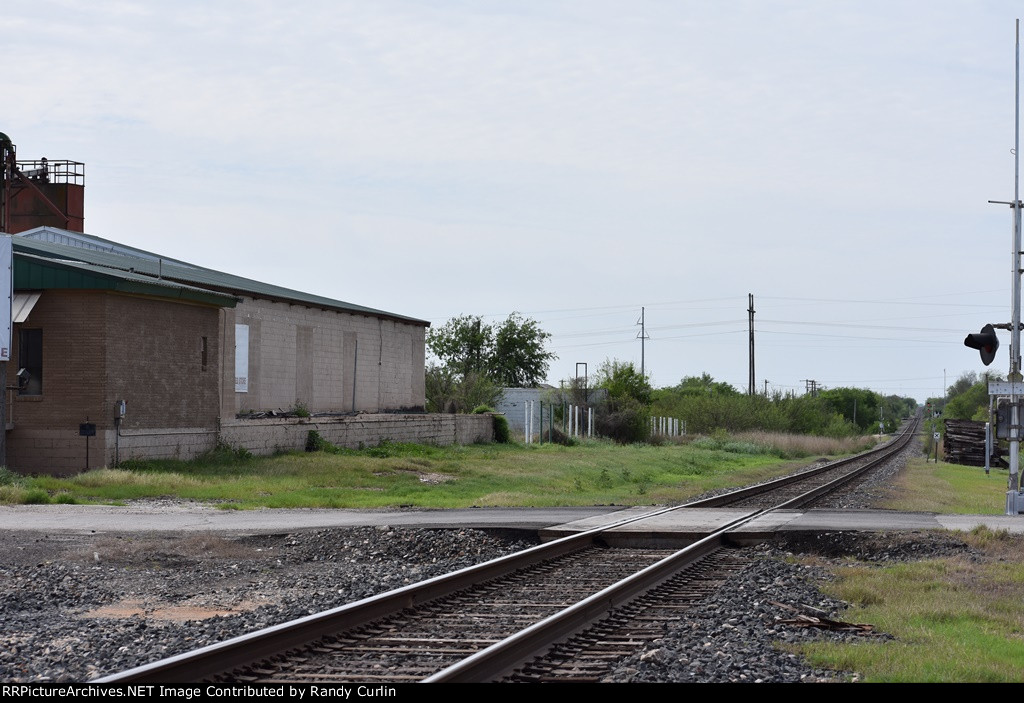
187,352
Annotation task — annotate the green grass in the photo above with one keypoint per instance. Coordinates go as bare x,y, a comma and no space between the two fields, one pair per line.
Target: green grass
948,488
593,472
954,619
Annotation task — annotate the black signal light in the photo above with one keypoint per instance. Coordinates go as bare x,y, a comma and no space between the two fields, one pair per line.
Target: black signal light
986,342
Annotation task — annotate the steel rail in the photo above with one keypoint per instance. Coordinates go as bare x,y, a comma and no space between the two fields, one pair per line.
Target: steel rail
502,657
896,446
243,650
725,499
505,656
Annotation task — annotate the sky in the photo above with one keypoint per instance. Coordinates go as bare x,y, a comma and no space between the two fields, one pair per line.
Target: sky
574,161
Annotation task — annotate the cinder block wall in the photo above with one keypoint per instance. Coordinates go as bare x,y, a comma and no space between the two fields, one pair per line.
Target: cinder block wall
269,435
175,443
300,354
62,451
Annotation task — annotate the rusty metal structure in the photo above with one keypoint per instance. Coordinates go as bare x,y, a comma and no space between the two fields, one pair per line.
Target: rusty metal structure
40,192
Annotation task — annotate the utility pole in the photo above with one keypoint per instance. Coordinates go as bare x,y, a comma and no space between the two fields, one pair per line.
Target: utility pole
766,388
750,311
811,386
642,336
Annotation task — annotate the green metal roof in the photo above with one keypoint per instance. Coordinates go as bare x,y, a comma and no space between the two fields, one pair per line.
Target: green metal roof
38,273
111,255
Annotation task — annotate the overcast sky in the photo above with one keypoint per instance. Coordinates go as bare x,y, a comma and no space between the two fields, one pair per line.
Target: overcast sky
573,161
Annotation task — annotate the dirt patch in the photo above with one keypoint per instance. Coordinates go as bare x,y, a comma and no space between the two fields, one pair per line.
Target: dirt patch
152,550
165,613
435,479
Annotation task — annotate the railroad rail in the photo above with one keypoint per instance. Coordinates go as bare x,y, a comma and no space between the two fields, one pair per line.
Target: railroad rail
485,622
800,489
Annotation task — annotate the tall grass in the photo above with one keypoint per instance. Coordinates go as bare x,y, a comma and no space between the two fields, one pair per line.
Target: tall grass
780,444
798,446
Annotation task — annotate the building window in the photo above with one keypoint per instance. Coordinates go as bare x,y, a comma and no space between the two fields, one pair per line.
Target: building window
30,358
203,352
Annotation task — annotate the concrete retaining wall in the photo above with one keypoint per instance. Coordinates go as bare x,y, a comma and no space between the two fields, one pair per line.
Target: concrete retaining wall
63,452
269,435
184,443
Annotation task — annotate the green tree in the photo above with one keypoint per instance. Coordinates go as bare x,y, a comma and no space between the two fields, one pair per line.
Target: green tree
623,383
519,359
966,380
449,393
474,360
894,408
463,346
629,399
705,385
967,397
856,405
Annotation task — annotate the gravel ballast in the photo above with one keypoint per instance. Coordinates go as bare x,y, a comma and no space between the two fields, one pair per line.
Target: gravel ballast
77,607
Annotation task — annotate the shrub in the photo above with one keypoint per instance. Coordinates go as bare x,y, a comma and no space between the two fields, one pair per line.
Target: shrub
316,443
502,433
559,437
743,448
626,426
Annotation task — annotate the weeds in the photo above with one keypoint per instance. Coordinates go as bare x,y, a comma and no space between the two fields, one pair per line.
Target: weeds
393,473
952,619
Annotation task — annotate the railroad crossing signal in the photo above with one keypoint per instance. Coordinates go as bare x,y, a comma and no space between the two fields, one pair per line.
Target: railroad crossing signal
986,342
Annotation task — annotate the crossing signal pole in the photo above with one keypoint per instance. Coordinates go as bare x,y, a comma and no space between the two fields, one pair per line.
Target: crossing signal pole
985,340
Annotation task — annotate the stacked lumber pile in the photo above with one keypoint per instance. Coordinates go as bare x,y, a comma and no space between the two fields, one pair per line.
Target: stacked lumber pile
965,444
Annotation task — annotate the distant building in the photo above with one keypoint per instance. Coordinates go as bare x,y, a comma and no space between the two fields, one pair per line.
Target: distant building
124,353
513,405
100,327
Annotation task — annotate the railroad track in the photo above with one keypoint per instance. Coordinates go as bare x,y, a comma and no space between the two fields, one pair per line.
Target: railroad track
802,489
518,618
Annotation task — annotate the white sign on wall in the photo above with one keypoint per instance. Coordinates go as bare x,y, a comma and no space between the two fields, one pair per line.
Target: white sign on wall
241,358
6,289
